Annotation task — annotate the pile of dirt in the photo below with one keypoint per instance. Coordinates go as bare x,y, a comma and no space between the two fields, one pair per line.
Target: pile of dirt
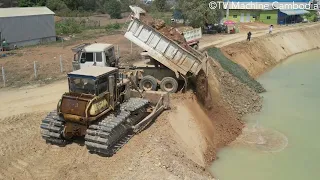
224,99
184,28
202,89
168,31
238,96
153,154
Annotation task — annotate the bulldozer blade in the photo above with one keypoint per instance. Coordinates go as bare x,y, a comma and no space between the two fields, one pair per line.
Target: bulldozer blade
159,101
153,97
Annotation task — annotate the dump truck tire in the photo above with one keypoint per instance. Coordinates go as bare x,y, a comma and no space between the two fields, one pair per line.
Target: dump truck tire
169,84
148,83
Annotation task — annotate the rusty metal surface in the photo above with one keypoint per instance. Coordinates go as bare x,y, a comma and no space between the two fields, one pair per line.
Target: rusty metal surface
73,106
75,118
74,130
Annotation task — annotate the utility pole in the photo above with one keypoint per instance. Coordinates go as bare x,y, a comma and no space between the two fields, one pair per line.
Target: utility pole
227,14
1,41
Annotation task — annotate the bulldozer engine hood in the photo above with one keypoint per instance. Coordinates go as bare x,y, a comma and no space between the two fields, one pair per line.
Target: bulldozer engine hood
82,108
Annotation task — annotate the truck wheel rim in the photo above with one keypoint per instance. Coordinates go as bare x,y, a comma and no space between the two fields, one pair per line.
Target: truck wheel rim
168,87
147,85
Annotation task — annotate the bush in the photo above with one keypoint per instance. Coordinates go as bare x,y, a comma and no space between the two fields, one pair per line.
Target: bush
113,8
70,13
56,5
311,16
160,5
68,26
112,27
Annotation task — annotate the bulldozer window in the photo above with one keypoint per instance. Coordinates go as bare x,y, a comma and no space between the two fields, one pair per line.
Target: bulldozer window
102,85
86,57
86,86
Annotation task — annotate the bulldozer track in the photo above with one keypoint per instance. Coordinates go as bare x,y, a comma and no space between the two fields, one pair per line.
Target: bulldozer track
107,136
52,128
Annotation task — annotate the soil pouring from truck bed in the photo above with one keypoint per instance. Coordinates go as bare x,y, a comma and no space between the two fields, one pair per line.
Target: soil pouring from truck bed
170,32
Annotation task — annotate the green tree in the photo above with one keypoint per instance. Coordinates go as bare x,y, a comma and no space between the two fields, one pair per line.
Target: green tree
89,5
197,12
311,16
26,3
113,8
125,5
73,4
160,5
56,5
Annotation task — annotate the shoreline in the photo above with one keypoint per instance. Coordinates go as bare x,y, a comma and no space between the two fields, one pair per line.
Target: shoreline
257,58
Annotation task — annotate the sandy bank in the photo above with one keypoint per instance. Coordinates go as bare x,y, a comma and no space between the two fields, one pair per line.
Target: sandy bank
230,97
265,52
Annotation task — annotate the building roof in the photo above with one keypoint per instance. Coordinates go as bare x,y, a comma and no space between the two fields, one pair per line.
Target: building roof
25,11
91,72
97,47
291,12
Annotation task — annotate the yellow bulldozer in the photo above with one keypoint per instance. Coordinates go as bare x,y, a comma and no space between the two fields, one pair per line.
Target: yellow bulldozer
103,107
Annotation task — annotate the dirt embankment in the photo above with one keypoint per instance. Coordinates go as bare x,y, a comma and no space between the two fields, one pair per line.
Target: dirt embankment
228,98
265,52
226,102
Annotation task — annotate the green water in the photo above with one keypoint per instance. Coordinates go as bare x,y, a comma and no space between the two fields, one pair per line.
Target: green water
292,107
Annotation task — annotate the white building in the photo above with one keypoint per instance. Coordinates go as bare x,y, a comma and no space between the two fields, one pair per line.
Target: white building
27,26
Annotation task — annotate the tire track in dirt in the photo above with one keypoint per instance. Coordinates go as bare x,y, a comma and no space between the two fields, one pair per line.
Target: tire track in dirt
19,142
25,155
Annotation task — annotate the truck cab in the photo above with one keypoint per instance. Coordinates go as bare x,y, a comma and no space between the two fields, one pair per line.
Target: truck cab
98,54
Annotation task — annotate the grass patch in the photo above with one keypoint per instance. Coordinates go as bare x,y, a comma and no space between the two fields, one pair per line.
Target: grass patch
165,16
112,27
235,69
73,26
68,26
73,13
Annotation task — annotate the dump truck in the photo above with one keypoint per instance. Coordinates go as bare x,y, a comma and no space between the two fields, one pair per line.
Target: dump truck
192,36
102,108
165,65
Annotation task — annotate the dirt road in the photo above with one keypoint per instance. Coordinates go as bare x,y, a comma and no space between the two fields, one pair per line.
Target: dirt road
31,98
224,40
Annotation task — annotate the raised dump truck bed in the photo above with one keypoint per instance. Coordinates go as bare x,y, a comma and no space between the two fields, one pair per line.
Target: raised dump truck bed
165,50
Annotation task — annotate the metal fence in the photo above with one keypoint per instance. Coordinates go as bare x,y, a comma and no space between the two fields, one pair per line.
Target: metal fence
36,71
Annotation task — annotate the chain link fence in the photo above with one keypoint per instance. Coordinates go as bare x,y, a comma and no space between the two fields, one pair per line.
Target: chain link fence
15,74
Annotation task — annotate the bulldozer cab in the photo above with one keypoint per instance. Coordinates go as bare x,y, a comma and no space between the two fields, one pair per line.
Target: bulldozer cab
93,80
92,91
98,54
